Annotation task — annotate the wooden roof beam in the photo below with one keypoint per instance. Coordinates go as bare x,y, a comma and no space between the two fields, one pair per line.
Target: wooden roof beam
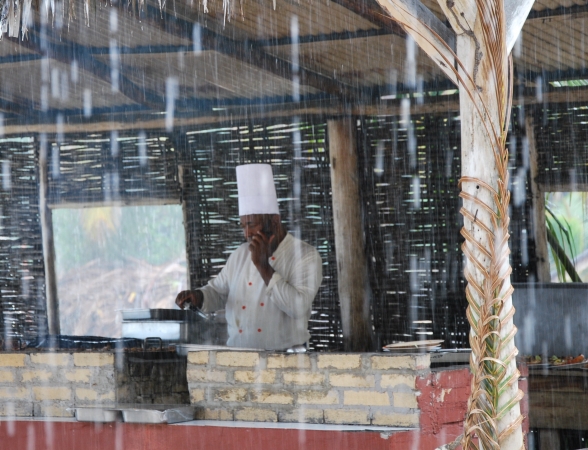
66,52
372,11
572,12
249,52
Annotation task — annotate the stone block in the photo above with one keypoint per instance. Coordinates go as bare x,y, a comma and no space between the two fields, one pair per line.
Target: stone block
255,377
367,398
296,361
93,359
280,398
405,400
350,380
36,375
16,409
237,359
51,393
395,420
200,358
302,415
78,375
16,393
86,394
411,362
303,378
51,359
347,416
197,395
318,398
12,359
53,410
6,376
230,395
214,414
338,361
256,415
206,376
391,380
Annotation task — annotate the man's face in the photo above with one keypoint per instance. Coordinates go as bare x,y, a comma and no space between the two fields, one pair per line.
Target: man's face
252,224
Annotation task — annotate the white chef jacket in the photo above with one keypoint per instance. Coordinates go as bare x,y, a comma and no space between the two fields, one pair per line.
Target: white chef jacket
272,317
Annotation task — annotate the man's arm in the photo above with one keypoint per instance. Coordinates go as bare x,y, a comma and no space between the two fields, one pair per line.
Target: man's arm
295,295
195,298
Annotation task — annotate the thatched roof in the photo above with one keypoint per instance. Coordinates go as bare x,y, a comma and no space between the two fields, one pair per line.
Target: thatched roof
123,62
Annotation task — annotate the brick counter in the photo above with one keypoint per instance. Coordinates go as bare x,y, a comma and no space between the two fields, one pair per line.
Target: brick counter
49,384
374,389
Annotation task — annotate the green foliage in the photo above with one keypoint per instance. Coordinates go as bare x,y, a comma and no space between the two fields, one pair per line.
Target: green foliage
154,234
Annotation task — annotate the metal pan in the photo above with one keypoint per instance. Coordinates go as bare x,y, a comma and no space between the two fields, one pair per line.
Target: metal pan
158,414
95,414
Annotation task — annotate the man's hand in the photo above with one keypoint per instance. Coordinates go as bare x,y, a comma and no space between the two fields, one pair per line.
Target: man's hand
261,249
196,298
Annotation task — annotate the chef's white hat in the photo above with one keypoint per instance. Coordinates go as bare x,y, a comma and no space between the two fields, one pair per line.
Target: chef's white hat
257,192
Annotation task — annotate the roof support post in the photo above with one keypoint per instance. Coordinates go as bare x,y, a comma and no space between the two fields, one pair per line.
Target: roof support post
485,33
349,243
48,243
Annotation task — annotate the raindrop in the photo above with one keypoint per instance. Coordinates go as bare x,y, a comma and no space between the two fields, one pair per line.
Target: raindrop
171,94
142,149
197,38
410,64
114,65
6,177
524,248
55,169
295,58
75,71
518,186
539,89
113,20
87,102
416,192
55,82
379,168
114,143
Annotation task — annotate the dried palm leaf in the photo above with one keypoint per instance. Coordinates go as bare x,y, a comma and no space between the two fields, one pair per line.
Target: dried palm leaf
488,291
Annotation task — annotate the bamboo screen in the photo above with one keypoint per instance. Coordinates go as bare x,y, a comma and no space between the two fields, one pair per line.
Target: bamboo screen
298,154
411,234
22,273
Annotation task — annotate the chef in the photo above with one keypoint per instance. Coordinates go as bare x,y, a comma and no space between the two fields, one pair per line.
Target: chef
269,283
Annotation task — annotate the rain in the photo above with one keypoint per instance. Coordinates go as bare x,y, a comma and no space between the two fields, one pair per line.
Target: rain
404,264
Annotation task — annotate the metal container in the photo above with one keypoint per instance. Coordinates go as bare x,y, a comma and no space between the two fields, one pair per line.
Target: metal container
95,414
157,413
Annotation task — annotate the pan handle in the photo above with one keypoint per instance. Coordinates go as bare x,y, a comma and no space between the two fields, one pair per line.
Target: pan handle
152,340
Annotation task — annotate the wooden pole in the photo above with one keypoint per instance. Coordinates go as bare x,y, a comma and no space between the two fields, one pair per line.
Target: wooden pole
48,245
351,263
538,206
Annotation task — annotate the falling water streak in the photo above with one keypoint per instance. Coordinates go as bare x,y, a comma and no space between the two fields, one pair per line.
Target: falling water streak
416,192
74,71
379,167
142,149
524,248
1,125
31,437
49,432
295,59
197,39
114,146
11,413
114,65
64,86
113,22
45,78
539,89
410,71
87,103
420,98
6,175
171,94
55,166
55,82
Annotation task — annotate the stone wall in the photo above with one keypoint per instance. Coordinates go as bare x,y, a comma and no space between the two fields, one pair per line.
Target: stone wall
49,384
375,389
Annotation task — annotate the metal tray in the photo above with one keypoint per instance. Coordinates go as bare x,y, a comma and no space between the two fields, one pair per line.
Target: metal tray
95,414
158,413
163,314
183,349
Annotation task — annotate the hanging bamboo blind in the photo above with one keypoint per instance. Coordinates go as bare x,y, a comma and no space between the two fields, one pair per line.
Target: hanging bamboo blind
408,173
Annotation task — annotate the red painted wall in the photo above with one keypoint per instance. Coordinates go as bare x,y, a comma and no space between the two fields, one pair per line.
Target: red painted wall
442,402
